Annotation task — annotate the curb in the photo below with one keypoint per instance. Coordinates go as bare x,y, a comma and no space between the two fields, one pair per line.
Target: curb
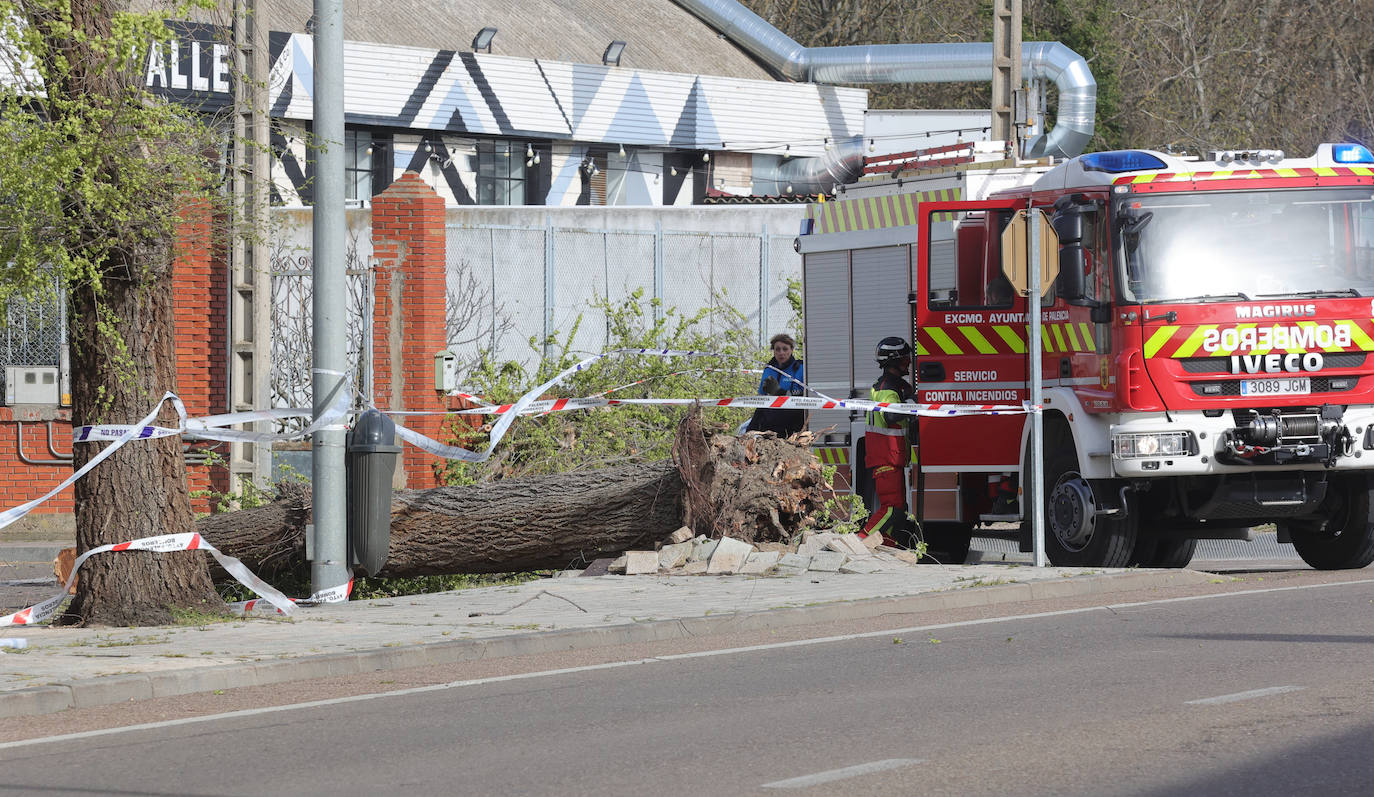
124,688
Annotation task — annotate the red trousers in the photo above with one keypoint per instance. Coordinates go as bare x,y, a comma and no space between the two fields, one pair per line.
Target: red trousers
890,514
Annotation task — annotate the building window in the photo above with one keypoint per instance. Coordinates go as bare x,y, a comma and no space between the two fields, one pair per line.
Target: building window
501,173
358,169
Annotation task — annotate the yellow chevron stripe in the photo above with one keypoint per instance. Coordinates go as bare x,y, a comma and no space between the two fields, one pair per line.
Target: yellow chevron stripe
1286,172
1006,333
1046,339
1358,336
979,342
1194,341
1058,337
1073,337
1144,178
943,340
1158,339
1325,171
1089,343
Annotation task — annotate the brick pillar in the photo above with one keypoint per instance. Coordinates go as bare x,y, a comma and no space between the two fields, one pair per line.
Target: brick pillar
408,322
199,274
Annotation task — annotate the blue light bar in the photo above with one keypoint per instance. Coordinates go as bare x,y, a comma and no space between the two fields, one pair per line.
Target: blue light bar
1126,160
1351,153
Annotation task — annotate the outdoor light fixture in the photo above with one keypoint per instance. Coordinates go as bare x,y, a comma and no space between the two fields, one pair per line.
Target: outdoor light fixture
482,41
613,52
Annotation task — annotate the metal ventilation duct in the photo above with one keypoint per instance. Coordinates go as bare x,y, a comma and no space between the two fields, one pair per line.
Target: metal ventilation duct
904,63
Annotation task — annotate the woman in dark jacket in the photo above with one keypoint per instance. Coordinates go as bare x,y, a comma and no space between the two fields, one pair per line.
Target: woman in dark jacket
784,375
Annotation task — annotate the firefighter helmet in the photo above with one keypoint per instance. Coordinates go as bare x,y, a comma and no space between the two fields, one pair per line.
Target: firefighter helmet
890,349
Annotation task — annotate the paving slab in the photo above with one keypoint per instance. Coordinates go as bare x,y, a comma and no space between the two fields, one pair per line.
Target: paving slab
760,562
729,556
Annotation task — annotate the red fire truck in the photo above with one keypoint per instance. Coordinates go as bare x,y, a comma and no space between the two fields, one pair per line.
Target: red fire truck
1205,351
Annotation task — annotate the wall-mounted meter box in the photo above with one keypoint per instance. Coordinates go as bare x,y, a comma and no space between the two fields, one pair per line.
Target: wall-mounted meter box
445,371
29,384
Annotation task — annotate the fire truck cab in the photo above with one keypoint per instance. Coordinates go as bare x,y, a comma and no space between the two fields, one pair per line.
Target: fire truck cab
1205,346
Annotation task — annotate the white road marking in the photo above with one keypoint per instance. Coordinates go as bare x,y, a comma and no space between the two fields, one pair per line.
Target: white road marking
1271,690
840,774
249,712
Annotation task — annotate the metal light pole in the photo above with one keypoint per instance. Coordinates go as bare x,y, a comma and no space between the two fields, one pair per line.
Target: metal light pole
329,562
1036,367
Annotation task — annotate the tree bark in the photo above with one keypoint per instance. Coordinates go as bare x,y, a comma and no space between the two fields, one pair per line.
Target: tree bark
123,359
756,488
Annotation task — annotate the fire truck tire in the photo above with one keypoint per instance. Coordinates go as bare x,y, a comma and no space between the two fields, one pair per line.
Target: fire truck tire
1344,538
1162,552
1072,537
948,543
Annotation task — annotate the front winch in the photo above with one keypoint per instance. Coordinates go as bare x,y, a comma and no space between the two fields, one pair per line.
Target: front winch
1282,436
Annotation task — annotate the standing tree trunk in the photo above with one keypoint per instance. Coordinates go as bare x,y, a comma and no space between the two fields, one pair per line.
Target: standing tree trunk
140,491
96,174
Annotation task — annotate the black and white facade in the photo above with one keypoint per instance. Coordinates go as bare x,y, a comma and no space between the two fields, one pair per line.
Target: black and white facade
505,130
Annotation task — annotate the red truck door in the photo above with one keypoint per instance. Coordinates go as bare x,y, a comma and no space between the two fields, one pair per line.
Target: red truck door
969,335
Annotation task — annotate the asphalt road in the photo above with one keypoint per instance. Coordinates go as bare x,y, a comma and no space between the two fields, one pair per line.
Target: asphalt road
1269,691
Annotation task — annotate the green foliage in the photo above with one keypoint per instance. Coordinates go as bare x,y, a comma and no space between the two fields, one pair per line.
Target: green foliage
843,513
94,167
251,494
606,437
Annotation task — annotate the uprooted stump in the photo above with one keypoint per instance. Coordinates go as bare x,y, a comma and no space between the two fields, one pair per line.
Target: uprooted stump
756,488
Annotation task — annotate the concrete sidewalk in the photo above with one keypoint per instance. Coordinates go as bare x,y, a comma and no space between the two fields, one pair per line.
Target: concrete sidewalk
79,667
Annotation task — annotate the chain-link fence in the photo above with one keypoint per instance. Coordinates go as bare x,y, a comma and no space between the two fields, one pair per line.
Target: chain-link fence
511,284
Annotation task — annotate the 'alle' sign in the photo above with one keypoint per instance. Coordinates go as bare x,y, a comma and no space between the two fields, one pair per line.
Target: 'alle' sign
193,67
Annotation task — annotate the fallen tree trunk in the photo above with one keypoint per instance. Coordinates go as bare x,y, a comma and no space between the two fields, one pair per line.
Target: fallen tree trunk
756,488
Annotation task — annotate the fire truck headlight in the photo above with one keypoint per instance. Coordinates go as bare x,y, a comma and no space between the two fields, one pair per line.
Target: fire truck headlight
1132,445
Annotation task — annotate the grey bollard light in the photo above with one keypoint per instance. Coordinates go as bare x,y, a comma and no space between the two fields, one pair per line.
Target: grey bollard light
370,464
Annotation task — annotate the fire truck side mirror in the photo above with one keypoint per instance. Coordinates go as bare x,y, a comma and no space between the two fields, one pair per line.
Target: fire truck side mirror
1073,267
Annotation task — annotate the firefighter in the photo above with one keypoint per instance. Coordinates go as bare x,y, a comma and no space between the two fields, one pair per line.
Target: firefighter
886,450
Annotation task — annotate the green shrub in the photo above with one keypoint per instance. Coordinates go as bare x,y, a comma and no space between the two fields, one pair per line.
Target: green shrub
603,437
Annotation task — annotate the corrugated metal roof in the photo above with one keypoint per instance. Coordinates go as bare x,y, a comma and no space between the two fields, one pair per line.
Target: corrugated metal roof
659,34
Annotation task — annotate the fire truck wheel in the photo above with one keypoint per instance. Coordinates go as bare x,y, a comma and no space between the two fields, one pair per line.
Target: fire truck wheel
1343,539
948,543
1162,552
1075,536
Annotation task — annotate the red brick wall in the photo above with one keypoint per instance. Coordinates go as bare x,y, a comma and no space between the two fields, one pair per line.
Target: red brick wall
408,322
200,282
200,279
21,482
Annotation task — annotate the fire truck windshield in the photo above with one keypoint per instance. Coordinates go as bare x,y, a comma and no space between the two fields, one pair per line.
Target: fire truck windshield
1246,244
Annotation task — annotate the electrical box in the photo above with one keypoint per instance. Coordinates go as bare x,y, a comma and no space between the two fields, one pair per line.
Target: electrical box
27,384
445,371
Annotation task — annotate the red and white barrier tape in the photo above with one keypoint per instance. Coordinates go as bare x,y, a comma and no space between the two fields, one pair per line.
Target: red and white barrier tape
939,410
518,408
189,541
337,594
